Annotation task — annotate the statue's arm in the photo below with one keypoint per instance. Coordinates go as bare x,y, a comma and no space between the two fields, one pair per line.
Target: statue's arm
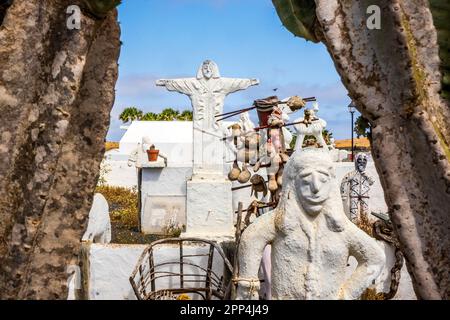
370,180
179,85
239,84
371,259
251,248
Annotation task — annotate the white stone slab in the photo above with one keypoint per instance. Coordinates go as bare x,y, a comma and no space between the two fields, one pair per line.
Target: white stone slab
143,162
160,214
209,209
118,173
110,268
165,181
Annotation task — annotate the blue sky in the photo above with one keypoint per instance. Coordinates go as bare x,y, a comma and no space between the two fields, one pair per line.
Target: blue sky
170,39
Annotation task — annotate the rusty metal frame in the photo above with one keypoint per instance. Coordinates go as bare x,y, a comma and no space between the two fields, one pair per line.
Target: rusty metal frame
146,273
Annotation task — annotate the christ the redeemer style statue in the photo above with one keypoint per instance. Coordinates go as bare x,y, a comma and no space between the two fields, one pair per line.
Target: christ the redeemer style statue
207,92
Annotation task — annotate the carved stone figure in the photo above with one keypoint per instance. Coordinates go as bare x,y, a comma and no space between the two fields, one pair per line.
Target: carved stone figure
99,224
207,92
355,188
337,154
246,124
310,125
311,238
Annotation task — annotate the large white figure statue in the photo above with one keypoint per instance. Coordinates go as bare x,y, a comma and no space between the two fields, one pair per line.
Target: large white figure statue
207,92
99,223
311,238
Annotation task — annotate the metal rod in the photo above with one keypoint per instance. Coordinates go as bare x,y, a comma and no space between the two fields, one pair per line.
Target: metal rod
236,254
261,207
236,111
243,187
181,266
353,148
284,125
208,273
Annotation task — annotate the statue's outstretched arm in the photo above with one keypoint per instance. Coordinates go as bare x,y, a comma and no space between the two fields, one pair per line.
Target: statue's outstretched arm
253,241
371,259
239,84
161,82
183,86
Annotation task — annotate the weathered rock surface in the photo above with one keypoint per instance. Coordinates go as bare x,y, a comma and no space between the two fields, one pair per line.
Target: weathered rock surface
393,75
56,93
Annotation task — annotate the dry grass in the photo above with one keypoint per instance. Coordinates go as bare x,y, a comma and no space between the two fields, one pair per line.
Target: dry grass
123,205
111,145
123,211
372,294
365,224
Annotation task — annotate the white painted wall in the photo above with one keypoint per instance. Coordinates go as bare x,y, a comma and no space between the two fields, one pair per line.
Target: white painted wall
111,265
118,172
165,181
163,199
174,138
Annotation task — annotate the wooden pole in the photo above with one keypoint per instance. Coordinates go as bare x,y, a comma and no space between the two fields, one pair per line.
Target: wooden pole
236,252
236,112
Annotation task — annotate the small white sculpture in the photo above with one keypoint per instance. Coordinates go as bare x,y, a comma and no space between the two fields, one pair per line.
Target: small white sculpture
73,282
246,124
355,188
311,238
315,109
146,143
310,125
99,223
338,155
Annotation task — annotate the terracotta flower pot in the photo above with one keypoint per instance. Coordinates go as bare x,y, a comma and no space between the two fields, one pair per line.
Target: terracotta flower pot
152,155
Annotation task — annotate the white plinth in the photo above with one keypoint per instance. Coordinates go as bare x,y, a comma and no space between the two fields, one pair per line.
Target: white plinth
209,209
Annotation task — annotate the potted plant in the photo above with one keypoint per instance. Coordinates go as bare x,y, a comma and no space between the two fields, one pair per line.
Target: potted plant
152,154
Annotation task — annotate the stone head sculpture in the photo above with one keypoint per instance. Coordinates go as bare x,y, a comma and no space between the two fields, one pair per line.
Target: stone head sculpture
311,171
208,70
361,162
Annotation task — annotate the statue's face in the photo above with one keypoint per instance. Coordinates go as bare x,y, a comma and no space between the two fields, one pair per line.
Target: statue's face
207,70
361,163
314,188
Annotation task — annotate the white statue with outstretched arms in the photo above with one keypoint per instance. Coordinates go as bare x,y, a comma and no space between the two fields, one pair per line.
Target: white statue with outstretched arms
207,92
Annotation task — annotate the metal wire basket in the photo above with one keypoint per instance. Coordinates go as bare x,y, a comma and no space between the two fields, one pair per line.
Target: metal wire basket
189,276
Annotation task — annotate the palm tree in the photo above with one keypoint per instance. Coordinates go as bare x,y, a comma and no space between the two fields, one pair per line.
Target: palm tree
130,114
149,116
169,114
186,115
